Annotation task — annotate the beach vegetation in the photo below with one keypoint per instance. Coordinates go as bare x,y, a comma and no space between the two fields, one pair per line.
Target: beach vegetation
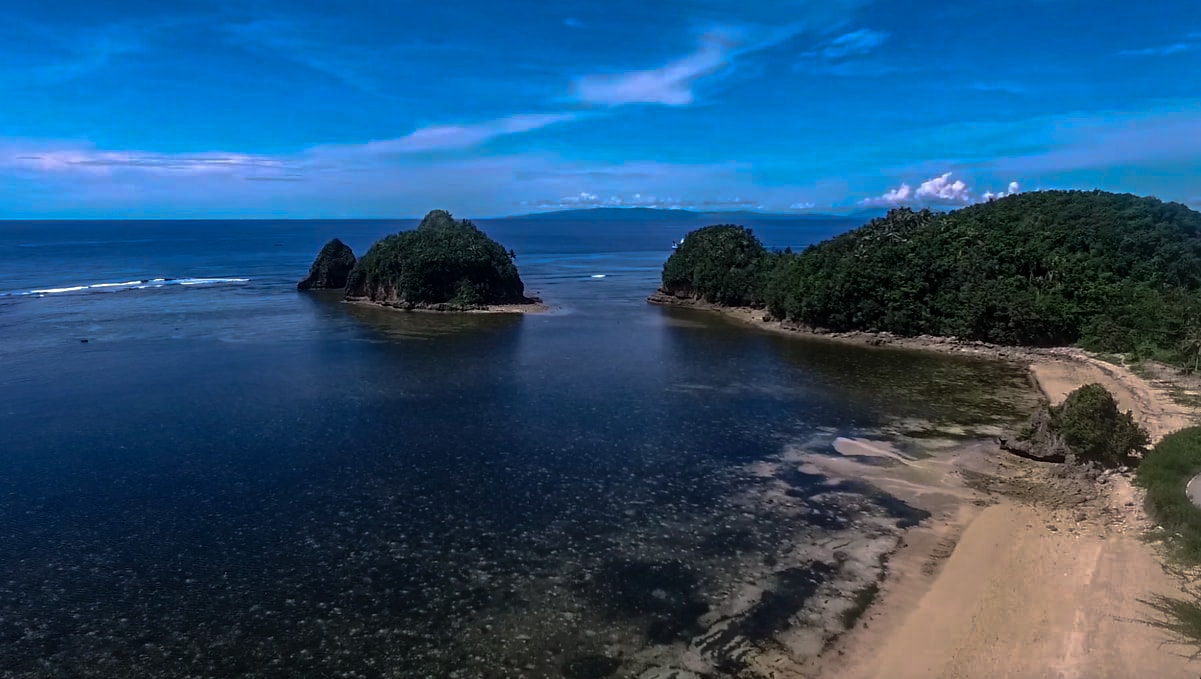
1165,473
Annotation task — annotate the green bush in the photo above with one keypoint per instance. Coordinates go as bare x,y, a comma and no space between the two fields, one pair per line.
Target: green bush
442,261
1165,473
721,264
1093,428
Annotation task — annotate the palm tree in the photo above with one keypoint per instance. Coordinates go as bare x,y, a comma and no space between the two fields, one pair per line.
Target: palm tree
1191,348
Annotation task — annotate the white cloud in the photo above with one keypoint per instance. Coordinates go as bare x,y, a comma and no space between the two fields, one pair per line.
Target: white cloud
895,197
941,190
808,205
1013,189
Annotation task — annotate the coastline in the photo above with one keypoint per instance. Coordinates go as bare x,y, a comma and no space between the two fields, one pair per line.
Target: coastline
535,306
1022,570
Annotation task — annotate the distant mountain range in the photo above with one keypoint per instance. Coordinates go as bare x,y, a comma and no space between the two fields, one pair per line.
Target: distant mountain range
601,214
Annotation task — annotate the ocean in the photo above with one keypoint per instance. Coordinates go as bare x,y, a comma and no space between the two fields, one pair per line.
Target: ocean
206,473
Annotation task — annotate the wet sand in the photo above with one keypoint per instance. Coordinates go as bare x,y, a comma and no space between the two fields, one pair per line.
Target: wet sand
1019,572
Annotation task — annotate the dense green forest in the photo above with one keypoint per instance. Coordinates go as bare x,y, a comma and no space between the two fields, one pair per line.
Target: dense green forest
442,261
1110,272
723,264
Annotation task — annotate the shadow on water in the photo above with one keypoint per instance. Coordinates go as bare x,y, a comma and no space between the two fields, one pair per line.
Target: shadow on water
871,385
807,487
395,324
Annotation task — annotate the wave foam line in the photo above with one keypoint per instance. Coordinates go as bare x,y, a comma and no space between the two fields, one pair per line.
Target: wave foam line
125,285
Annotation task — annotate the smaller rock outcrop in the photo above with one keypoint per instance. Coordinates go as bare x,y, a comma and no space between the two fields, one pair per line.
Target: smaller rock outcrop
331,268
1087,428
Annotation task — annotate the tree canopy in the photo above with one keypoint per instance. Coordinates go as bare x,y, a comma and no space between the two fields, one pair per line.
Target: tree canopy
722,264
1111,272
442,261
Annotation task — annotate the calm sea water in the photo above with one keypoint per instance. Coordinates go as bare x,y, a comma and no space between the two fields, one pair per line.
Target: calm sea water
230,478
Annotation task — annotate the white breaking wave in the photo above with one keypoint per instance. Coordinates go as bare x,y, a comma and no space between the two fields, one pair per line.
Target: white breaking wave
125,285
599,275
205,281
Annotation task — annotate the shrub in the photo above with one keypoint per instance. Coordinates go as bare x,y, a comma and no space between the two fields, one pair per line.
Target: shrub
1093,428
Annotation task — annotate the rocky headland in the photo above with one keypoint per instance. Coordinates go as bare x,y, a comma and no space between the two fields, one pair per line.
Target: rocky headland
331,268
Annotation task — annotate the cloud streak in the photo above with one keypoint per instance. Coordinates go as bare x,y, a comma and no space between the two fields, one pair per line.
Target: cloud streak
669,85
1161,51
86,159
455,137
854,43
1190,42
673,84
59,158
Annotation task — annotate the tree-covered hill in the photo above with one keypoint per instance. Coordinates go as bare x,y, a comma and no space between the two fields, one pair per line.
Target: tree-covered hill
443,261
1112,272
722,264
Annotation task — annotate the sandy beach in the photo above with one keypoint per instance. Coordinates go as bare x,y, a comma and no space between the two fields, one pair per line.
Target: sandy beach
1020,571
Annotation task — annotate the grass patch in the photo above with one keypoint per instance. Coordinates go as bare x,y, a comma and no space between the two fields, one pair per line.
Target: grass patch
1165,472
860,602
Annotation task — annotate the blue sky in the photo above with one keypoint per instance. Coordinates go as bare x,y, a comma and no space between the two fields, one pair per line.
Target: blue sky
378,109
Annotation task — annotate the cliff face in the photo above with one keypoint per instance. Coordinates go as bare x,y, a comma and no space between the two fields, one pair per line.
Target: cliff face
443,264
331,268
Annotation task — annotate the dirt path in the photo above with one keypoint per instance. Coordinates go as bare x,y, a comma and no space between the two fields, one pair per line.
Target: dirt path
1152,407
1045,583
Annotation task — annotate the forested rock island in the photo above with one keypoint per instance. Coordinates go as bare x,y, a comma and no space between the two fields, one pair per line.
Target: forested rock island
443,265
1107,272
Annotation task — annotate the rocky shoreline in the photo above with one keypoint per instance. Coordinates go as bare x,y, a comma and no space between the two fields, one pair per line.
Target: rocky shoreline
760,318
533,306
